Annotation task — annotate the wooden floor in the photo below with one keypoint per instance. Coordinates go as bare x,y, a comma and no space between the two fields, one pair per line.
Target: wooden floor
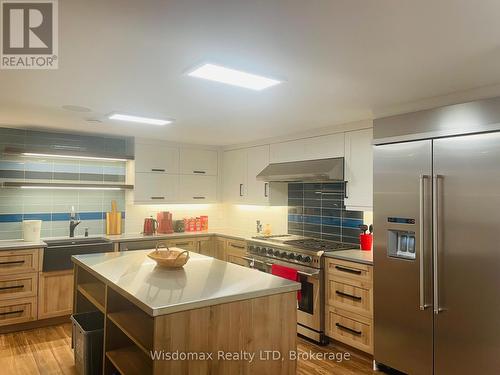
48,351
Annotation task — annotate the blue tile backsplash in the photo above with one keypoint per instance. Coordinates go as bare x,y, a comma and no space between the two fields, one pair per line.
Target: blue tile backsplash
53,206
317,210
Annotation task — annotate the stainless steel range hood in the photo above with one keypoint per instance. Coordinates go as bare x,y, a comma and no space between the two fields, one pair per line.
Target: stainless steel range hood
304,171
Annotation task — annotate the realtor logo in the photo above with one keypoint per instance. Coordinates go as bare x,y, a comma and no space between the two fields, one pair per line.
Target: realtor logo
29,34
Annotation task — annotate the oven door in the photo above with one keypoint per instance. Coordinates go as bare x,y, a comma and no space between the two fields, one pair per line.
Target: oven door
309,317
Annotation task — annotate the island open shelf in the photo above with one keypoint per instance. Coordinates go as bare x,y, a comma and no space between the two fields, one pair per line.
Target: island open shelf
209,306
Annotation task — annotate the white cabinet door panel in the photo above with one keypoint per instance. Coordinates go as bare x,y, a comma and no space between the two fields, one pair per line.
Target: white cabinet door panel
197,189
257,160
155,188
234,176
159,159
359,169
196,161
326,146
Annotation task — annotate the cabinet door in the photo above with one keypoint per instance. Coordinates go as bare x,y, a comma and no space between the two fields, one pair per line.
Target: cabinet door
234,176
198,189
195,161
257,160
220,248
326,146
55,294
205,246
359,169
158,159
155,188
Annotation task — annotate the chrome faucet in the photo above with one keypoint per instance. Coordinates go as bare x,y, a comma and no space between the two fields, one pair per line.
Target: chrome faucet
259,226
73,223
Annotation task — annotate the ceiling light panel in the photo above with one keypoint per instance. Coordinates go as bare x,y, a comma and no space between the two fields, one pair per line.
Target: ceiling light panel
233,77
138,119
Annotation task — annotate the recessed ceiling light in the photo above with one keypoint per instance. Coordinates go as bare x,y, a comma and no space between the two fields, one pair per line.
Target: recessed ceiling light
233,77
139,119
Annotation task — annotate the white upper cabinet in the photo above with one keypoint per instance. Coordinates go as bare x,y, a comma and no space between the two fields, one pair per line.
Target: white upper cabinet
156,159
234,176
197,189
326,146
169,174
156,188
359,170
257,160
240,170
198,162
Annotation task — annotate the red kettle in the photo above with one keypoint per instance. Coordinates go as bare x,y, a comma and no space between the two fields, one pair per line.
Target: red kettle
150,226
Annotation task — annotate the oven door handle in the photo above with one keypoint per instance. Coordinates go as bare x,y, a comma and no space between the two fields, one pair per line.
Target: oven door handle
314,274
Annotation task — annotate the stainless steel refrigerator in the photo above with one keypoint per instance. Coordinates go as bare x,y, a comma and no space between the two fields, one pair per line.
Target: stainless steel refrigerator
437,248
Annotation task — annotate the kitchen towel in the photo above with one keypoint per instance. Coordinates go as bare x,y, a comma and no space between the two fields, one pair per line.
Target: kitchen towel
286,273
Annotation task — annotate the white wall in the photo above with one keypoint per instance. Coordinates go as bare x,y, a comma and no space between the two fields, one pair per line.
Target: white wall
238,219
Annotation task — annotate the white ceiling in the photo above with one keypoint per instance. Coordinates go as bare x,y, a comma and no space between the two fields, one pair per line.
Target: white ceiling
342,60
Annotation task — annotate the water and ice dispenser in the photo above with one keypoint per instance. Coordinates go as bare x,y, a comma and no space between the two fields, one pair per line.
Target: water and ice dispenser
401,244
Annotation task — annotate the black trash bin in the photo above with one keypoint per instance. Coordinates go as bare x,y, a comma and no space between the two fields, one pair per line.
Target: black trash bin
88,334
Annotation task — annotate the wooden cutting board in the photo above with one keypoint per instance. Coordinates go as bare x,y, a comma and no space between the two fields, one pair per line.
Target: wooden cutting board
113,220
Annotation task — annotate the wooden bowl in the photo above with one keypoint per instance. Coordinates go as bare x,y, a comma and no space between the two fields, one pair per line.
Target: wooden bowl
169,257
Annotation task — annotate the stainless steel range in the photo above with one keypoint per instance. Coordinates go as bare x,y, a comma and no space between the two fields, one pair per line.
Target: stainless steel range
305,255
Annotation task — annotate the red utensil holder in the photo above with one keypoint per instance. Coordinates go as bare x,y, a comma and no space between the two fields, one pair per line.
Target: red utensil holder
366,241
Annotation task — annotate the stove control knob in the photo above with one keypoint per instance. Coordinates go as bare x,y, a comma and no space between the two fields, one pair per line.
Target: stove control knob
251,247
276,253
270,252
291,256
308,259
255,248
283,255
299,258
263,251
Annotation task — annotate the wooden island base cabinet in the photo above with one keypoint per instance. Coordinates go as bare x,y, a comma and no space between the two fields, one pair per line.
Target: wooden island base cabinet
133,330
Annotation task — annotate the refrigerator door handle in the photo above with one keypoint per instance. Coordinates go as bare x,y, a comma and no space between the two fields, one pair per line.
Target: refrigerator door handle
423,226
435,241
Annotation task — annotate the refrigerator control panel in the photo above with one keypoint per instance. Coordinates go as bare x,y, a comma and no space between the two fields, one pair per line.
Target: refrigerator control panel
400,220
401,244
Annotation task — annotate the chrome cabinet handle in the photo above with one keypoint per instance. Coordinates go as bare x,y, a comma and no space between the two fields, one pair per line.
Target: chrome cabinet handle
157,197
266,189
421,255
199,197
157,170
435,242
241,190
199,172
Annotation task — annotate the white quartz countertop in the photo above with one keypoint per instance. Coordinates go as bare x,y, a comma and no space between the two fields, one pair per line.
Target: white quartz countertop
354,255
204,281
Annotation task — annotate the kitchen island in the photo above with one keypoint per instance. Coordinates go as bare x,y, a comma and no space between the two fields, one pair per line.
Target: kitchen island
208,317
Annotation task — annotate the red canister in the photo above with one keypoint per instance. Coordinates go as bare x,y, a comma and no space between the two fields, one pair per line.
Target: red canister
366,241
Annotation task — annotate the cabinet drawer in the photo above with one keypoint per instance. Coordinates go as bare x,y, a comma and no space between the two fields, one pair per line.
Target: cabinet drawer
17,311
189,245
350,329
236,246
18,286
350,298
360,273
18,261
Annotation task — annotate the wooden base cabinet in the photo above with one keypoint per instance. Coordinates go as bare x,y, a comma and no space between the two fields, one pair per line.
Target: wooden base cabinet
55,294
349,303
